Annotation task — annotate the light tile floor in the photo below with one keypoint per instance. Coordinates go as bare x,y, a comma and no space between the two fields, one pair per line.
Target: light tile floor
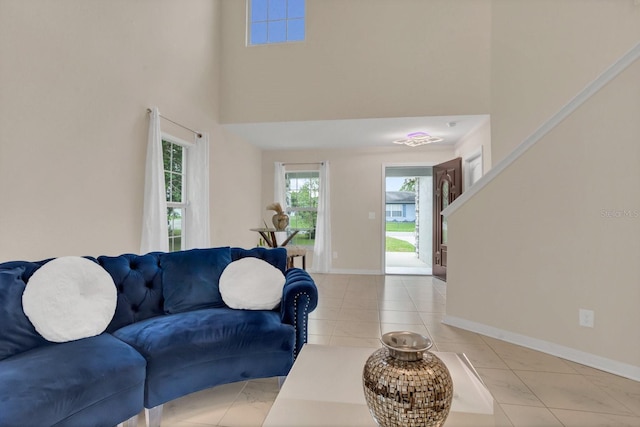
532,388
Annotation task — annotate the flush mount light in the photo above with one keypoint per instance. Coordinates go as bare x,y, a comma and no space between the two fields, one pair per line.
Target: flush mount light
418,138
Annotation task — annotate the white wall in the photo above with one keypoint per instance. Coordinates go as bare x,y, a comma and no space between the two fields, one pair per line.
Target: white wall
536,244
361,59
77,78
477,141
357,188
544,52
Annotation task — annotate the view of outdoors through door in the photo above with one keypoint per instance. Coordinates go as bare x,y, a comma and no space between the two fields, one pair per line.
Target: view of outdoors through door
408,219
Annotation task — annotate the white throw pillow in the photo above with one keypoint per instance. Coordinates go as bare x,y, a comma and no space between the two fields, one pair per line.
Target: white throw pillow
70,298
251,284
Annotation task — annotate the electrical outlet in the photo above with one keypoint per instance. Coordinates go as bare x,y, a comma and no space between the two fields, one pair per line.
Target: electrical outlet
335,255
586,318
372,215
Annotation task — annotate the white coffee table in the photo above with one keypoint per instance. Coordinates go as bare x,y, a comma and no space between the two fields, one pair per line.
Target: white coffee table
324,389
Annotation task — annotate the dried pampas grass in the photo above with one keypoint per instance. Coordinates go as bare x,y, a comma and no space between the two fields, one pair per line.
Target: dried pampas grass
275,206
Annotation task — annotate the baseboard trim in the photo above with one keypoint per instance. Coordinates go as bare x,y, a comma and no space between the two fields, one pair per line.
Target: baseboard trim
350,271
598,362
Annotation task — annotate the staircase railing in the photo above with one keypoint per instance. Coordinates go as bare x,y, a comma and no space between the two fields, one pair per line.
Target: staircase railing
605,77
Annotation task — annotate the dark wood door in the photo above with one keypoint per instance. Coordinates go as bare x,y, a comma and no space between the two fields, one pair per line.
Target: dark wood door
447,185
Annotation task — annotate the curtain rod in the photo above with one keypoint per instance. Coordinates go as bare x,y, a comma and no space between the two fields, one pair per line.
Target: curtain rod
308,163
198,134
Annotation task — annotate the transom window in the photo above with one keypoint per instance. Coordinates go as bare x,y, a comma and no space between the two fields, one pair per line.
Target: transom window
174,159
276,21
302,204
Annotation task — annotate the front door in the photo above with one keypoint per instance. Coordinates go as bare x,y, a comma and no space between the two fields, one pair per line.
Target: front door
447,185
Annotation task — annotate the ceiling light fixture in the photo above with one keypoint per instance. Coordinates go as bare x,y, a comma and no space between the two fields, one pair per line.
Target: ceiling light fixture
418,138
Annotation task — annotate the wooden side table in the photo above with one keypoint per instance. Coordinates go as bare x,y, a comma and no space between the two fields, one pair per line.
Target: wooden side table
269,235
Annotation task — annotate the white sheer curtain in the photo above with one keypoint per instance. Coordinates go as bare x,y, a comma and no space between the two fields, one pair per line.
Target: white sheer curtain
279,185
197,233
322,247
154,218
155,233
280,194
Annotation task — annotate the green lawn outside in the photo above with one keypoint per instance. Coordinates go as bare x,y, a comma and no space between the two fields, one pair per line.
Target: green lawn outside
302,240
400,226
397,245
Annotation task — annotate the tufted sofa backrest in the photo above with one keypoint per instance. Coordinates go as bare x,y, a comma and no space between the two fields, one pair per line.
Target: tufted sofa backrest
138,280
276,257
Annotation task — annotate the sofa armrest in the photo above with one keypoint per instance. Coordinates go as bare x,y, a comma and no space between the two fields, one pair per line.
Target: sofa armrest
299,298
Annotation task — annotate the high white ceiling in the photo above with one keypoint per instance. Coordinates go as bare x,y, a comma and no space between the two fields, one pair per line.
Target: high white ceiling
357,133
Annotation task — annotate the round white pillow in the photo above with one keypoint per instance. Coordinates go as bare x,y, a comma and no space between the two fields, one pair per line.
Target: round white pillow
251,284
70,298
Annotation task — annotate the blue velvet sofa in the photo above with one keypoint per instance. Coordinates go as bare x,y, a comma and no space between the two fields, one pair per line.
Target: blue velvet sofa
171,335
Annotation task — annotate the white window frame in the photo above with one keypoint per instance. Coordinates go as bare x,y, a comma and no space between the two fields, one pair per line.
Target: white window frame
475,157
395,210
289,209
184,205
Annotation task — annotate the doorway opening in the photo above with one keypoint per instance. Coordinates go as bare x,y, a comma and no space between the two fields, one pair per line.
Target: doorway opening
408,220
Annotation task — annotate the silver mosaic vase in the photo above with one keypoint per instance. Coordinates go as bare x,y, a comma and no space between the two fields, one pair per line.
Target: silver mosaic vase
406,385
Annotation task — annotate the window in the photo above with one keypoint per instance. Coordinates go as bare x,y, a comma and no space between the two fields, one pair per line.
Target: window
302,204
174,158
394,211
276,21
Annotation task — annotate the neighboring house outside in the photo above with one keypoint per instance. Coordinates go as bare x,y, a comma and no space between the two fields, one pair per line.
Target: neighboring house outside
400,206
